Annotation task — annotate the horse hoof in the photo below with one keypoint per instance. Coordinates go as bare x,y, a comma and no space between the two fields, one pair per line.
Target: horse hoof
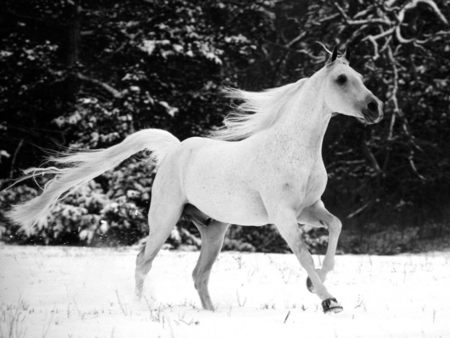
331,305
309,285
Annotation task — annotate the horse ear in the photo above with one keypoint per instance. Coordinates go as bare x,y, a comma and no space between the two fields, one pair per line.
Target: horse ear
347,54
333,56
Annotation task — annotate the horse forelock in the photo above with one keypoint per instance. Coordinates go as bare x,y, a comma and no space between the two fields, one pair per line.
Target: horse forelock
258,111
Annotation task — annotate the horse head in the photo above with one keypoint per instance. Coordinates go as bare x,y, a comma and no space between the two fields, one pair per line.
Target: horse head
345,92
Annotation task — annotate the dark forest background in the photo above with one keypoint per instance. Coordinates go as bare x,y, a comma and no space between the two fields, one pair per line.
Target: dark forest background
85,74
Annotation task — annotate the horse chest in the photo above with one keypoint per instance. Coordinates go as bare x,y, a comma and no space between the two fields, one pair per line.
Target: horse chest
316,183
306,185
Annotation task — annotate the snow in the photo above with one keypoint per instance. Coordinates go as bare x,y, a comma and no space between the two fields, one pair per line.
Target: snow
89,292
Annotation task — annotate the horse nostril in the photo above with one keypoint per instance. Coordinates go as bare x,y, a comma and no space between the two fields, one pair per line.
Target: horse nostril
372,106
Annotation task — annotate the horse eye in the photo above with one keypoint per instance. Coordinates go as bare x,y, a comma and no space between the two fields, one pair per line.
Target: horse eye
341,79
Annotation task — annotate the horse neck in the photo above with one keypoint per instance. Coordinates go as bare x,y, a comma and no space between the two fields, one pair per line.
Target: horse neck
304,122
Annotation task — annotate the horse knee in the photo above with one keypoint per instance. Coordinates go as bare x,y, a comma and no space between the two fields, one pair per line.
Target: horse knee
335,226
327,266
195,278
140,255
143,264
305,258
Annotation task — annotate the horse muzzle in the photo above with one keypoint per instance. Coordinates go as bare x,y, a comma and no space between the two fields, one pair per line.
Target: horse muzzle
373,112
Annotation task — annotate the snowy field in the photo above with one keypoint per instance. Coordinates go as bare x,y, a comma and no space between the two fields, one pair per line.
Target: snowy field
88,292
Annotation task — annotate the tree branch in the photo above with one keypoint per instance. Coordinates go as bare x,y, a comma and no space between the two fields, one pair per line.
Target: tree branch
413,4
13,160
353,22
413,165
295,40
371,157
114,92
401,16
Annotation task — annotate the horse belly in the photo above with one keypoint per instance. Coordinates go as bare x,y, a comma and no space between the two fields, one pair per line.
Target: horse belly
215,184
244,208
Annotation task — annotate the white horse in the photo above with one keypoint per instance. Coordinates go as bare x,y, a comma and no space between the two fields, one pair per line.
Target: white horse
263,167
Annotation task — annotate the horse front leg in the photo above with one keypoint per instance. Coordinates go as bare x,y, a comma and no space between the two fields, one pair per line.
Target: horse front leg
286,222
317,215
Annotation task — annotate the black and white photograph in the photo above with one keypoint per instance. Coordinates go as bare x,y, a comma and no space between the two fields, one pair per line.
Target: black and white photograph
224,168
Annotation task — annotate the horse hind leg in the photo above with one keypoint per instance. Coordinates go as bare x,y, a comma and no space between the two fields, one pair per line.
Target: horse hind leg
212,235
163,216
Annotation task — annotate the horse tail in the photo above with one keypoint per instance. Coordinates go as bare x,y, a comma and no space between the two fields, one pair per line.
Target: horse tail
81,167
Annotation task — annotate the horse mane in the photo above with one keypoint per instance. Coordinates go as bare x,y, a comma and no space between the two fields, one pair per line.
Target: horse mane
257,112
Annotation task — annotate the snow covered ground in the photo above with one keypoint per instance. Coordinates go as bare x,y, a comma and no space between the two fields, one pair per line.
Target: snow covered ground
88,292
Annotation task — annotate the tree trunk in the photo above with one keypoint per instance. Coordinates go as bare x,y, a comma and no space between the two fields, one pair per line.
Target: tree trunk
73,46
